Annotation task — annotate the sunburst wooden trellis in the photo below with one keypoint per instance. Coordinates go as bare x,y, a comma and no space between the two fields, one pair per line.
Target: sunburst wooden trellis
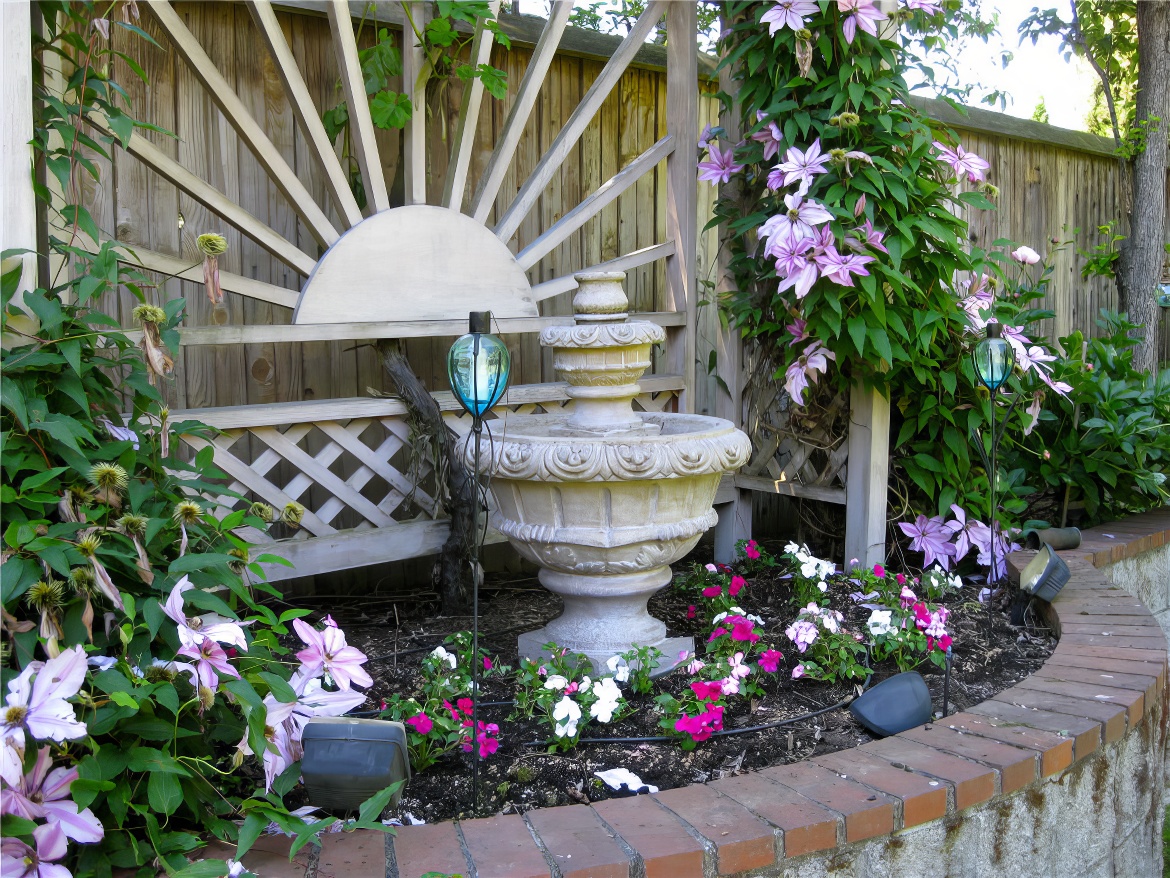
348,457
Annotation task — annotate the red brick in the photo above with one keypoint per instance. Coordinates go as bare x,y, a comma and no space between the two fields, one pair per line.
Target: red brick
867,814
807,827
1133,702
1055,751
1108,665
421,849
502,847
578,843
1017,767
919,801
742,841
1111,716
1117,641
1085,733
362,854
1147,684
973,783
1152,656
659,838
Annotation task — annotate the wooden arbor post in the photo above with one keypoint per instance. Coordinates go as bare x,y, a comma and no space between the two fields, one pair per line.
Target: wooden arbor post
18,201
867,481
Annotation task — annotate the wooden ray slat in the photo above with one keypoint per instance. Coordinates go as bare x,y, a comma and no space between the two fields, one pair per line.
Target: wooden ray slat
592,205
250,131
571,133
312,468
501,159
361,124
256,483
305,110
232,283
214,200
414,84
464,138
646,255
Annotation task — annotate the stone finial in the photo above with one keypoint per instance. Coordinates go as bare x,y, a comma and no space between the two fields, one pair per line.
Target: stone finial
601,295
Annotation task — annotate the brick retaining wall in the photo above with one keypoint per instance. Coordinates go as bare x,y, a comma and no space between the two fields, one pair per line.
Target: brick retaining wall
1059,775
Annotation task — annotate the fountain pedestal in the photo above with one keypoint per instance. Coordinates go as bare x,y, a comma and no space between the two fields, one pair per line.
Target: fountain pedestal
604,498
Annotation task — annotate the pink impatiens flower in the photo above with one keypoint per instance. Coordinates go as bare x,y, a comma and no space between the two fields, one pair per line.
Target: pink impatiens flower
421,723
798,672
45,794
327,651
963,162
788,13
738,582
802,633
770,660
18,860
707,691
712,591
752,550
859,14
37,707
719,165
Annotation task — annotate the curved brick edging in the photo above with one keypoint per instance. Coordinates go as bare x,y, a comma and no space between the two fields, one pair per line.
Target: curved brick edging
1060,775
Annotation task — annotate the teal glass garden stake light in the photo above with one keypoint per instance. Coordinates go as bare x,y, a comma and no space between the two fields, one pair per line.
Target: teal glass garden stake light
477,367
994,360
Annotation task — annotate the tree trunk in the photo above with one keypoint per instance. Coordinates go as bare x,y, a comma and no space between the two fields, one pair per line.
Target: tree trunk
453,569
1142,256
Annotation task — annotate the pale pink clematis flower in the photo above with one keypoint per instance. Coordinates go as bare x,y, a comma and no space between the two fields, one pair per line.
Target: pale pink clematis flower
932,537
210,661
798,221
769,135
45,794
1025,255
327,651
38,707
963,162
719,165
802,166
788,13
705,137
814,359
796,264
961,528
869,237
798,329
840,267
1033,412
18,860
192,630
930,7
859,14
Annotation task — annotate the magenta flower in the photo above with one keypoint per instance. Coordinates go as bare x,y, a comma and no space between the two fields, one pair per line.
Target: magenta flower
706,691
932,538
796,379
859,14
798,221
738,582
840,267
712,591
769,135
45,794
796,263
743,630
210,662
803,166
963,162
38,708
327,651
752,550
691,612
420,723
770,660
788,13
719,165
18,860
193,630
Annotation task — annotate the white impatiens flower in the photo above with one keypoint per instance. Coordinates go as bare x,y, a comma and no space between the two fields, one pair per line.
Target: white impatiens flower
567,714
737,611
444,656
609,697
880,622
556,682
584,685
619,668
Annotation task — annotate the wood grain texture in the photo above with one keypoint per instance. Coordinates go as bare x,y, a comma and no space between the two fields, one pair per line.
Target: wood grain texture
463,140
414,84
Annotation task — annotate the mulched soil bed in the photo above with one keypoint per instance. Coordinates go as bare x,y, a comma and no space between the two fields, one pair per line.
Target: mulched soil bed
990,655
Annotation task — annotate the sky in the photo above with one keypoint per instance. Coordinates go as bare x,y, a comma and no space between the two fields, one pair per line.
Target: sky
1035,72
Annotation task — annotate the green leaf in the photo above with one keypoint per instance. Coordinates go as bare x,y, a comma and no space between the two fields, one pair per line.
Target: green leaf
390,109
280,689
203,869
164,792
12,826
254,824
124,699
857,330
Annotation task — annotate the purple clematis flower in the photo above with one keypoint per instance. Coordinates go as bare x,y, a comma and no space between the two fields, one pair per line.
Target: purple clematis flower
963,162
193,630
769,135
802,166
796,264
210,662
327,651
37,707
788,13
719,165
45,794
797,222
804,371
859,14
18,860
932,538
840,267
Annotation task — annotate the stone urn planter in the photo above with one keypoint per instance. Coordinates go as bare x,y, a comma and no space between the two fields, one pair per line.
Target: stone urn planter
604,498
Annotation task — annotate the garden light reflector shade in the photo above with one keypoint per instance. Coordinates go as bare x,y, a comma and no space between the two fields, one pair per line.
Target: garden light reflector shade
993,358
894,705
1045,574
348,760
478,365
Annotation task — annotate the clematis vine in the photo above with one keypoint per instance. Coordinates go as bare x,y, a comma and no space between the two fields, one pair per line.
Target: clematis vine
43,794
859,14
328,652
37,707
719,165
788,13
804,370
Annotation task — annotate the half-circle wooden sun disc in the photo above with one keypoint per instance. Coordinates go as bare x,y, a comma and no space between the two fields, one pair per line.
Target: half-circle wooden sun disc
418,262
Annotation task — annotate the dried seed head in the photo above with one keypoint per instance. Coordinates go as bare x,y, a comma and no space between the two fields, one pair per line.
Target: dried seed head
188,512
849,120
238,565
206,698
160,674
88,545
262,511
81,580
108,477
46,596
991,190
135,525
81,495
149,314
211,244
292,514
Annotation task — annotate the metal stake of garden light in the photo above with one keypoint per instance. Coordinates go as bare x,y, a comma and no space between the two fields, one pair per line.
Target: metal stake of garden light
994,359
477,368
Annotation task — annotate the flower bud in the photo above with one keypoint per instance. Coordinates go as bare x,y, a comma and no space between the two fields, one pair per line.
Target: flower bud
859,208
211,244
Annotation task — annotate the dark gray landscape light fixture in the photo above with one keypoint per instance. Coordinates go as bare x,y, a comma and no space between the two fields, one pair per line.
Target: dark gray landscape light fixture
348,760
894,705
478,365
994,360
1045,575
